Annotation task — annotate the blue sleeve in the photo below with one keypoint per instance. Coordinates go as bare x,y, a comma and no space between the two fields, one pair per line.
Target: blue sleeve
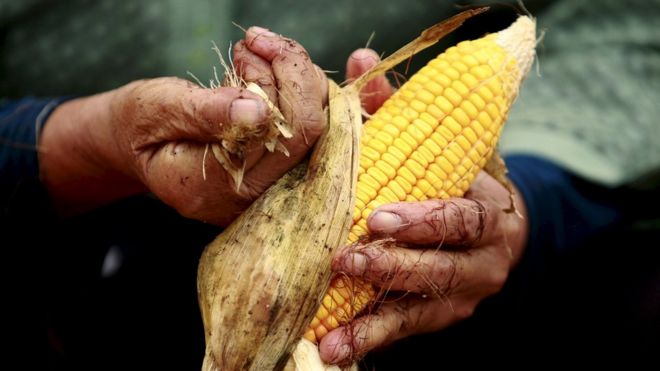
20,124
563,210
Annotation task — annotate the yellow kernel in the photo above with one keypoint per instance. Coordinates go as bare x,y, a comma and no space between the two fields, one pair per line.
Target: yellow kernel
359,204
403,147
352,237
415,132
409,113
411,198
396,188
389,195
406,174
378,175
453,96
438,63
384,137
440,139
391,159
419,78
367,179
396,152
464,143
432,147
484,119
431,192
495,85
470,60
418,163
470,135
401,100
365,194
487,137
478,101
370,153
428,71
366,162
379,200
456,150
375,203
423,185
405,95
434,111
469,80
365,215
449,156
391,130
400,122
477,127
417,105
460,66
417,194
426,154
386,168
357,214
451,73
460,88
431,177
412,86
336,297
378,146
404,184
445,133
474,155
432,90
428,123
461,171
492,110
442,79
383,115
320,331
409,139
485,93
450,123
437,172
445,165
467,162
481,148
460,116
375,123
481,72
469,109
444,104
323,309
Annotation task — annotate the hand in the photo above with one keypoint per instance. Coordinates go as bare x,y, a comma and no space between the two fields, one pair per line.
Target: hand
457,252
151,135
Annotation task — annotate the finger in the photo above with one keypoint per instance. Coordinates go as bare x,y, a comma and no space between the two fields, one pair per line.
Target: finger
392,321
171,109
324,84
456,221
429,271
300,97
378,90
252,68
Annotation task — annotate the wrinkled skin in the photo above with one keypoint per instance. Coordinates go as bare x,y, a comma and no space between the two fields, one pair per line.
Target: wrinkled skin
151,135
439,261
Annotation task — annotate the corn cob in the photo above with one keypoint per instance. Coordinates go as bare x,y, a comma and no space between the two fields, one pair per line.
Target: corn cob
429,140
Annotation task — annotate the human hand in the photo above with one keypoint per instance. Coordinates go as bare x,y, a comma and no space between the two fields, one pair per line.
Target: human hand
449,255
151,135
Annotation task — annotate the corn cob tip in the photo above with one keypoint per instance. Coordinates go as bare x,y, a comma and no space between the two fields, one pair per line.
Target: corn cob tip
519,40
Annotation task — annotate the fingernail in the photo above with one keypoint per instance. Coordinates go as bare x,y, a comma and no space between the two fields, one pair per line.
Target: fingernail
262,31
355,263
385,222
246,111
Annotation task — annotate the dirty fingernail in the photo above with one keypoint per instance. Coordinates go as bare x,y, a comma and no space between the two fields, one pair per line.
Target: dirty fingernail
384,221
246,111
262,31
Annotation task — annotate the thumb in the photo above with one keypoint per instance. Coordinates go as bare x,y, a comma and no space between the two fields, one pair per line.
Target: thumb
184,111
378,90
